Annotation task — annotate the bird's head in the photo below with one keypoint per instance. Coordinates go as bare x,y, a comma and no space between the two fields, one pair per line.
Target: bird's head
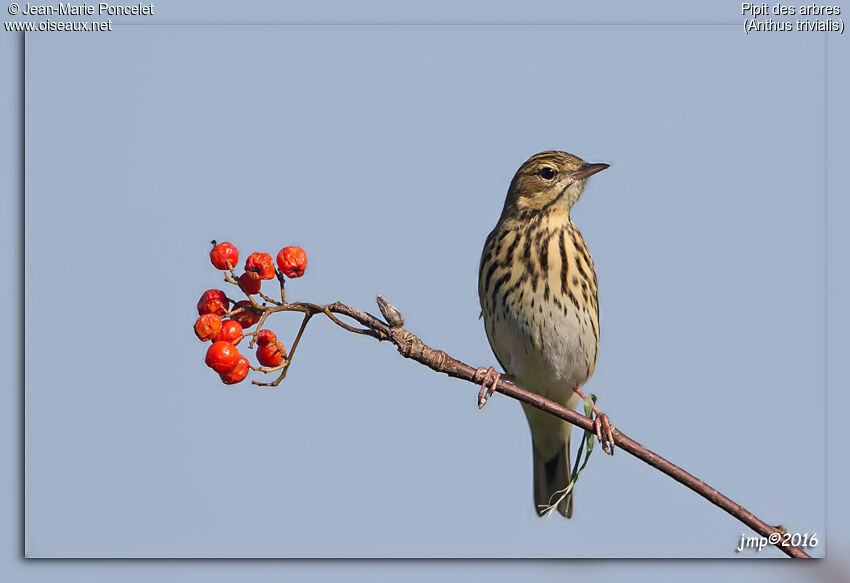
548,181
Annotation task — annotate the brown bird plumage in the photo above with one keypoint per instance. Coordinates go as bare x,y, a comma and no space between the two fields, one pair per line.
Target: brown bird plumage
538,292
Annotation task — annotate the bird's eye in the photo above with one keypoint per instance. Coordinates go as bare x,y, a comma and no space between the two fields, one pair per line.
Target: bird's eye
546,173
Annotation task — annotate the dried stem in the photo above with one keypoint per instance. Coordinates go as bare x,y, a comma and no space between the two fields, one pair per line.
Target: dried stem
285,365
410,346
268,299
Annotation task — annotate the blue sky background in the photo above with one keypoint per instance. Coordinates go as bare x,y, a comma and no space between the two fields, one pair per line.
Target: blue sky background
708,233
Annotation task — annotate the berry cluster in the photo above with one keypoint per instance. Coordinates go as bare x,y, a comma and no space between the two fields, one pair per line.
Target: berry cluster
225,327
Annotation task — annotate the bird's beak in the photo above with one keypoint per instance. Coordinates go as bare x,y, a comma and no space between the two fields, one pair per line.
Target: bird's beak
589,170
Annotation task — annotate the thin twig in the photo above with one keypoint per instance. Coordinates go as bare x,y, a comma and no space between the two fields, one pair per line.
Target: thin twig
268,299
411,346
283,367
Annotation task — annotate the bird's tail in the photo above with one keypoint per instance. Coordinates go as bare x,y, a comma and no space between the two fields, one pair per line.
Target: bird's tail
550,477
551,447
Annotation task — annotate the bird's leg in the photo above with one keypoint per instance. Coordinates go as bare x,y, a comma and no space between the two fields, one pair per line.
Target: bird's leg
601,426
488,376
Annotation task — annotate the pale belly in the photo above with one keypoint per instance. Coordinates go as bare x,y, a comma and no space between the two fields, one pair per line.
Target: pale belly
550,352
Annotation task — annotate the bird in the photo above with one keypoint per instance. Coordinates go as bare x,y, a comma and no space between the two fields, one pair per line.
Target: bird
538,292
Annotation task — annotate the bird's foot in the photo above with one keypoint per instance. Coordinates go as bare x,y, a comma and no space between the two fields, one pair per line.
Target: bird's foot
490,377
601,426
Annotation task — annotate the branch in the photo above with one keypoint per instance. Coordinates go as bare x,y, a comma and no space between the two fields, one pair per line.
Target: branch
411,346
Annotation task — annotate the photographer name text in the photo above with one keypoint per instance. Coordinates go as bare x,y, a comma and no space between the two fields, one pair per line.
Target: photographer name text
85,9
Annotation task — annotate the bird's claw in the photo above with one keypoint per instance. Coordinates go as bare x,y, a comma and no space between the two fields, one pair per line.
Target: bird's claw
604,432
488,376
601,426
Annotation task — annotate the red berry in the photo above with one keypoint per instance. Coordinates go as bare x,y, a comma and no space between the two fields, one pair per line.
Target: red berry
250,282
292,261
260,264
247,316
207,326
238,374
265,337
271,354
213,302
222,357
231,331
224,256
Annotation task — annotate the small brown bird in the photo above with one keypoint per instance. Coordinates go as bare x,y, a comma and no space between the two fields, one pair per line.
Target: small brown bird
537,287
